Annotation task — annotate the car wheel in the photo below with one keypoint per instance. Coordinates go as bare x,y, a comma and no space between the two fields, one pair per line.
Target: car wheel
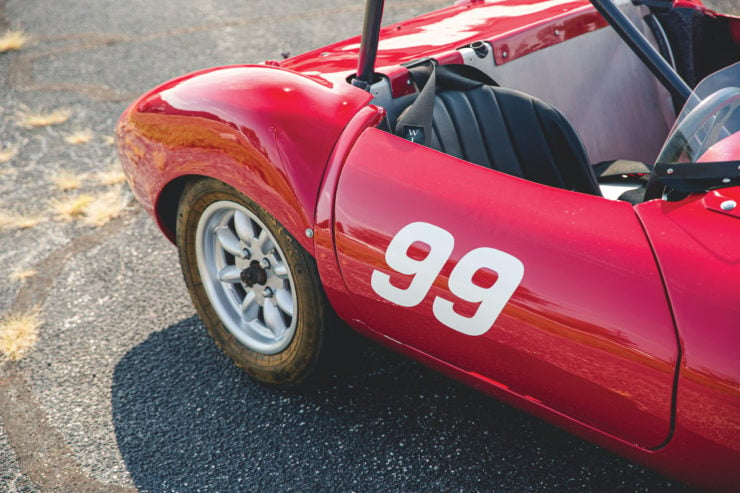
255,288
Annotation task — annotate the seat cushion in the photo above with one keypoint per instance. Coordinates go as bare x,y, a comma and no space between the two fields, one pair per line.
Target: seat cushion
514,133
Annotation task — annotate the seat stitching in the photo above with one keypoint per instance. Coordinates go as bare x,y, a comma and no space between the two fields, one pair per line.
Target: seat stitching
441,136
478,126
486,147
514,146
435,131
454,125
555,164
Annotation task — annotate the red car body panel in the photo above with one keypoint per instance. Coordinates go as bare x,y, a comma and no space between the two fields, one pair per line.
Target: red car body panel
514,27
253,127
702,446
619,329
573,337
702,277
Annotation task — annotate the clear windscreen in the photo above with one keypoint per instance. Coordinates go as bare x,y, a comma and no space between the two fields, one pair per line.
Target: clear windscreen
711,114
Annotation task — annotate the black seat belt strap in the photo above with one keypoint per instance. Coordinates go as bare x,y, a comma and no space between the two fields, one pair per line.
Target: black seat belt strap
415,123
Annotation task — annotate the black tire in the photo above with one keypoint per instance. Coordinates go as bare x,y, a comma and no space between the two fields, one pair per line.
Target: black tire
291,359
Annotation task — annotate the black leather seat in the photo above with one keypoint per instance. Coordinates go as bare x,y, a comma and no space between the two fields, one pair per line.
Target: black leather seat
514,133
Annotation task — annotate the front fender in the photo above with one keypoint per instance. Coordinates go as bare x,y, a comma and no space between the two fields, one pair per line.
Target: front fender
265,131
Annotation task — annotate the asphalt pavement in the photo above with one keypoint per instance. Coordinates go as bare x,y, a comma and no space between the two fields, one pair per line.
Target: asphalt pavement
124,390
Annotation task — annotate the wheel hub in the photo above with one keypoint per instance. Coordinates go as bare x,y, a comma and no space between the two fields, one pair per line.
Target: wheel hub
254,274
247,280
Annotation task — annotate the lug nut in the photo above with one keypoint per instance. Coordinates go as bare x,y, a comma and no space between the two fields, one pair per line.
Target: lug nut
268,293
265,263
246,254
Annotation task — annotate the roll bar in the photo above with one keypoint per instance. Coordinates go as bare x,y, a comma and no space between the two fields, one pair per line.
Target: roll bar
616,18
653,60
369,44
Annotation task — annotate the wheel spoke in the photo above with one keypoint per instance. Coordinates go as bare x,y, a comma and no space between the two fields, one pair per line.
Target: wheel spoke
249,307
228,241
233,243
264,242
257,329
230,273
284,300
280,270
260,240
273,320
244,227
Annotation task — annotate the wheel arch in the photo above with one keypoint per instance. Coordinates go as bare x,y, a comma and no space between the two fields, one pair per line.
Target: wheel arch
265,131
168,202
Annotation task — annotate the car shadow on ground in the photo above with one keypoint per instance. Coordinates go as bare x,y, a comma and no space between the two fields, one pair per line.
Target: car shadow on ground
187,420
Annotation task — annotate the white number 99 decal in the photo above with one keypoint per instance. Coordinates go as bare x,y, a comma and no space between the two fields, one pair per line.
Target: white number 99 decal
425,271
492,299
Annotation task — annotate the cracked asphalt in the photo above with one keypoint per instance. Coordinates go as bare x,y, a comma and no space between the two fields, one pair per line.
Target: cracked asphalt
124,391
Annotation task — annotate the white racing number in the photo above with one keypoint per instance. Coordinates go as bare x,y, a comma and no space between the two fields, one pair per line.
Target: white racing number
424,272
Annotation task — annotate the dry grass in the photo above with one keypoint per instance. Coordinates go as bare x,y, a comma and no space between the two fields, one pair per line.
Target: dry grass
92,210
33,119
79,137
21,274
109,139
12,41
67,180
18,221
106,206
19,333
112,176
72,207
8,153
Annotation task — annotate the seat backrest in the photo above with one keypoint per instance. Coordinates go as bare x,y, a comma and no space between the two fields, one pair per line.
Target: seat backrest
462,112
514,133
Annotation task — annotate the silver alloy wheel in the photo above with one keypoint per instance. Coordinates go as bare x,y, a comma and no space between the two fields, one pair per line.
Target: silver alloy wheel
246,278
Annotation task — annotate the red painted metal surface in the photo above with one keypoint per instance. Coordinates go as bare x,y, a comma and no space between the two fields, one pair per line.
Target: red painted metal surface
523,42
524,25
726,149
624,328
253,127
325,254
697,248
735,29
575,336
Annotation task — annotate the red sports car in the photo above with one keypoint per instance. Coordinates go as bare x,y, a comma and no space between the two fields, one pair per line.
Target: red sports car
537,198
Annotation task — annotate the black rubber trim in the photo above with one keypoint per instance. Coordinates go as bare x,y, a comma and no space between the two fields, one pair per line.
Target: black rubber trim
698,177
